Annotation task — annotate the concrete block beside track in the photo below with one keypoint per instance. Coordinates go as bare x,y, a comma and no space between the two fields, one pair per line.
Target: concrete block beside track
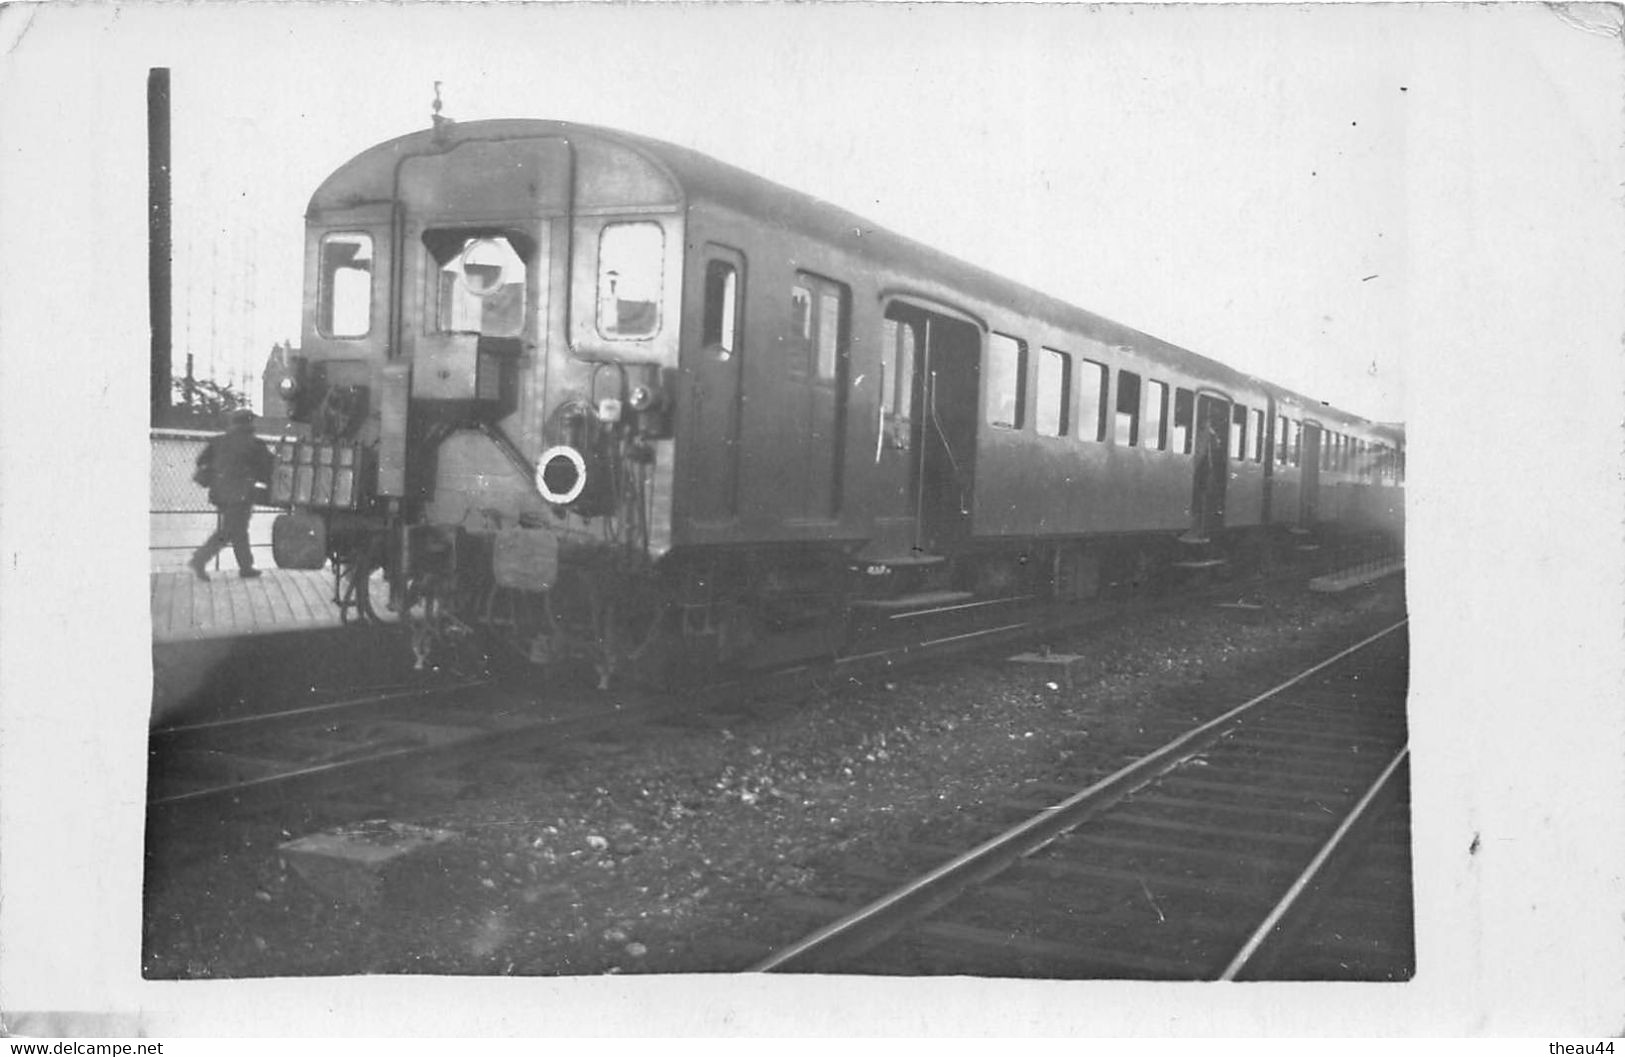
348,863
1057,663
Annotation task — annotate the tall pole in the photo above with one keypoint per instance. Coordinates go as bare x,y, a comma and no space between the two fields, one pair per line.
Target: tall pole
159,276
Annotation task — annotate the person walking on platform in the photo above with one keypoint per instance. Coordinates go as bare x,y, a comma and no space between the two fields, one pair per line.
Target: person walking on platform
231,466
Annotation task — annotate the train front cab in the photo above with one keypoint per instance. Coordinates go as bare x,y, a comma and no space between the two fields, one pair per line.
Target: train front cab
491,333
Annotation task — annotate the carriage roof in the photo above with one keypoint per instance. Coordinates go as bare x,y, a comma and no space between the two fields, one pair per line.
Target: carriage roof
368,177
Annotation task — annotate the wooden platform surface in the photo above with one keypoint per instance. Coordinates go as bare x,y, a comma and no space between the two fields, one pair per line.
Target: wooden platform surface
185,608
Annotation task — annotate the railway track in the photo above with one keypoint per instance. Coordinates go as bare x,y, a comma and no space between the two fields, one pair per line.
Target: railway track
251,761
1216,856
247,759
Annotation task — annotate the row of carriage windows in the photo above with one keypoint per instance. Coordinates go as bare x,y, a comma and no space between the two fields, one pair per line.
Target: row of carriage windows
481,278
1147,414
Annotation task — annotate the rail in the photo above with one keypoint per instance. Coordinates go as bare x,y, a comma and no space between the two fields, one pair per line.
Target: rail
872,924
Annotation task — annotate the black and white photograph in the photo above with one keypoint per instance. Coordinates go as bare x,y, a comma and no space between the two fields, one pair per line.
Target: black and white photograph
812,519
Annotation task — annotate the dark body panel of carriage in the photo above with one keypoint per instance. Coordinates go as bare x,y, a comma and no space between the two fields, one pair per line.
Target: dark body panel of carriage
765,455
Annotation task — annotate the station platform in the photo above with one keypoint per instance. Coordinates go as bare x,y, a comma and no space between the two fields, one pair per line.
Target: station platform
186,609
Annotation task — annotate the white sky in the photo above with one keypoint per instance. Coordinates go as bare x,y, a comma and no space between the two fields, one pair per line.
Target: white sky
1235,181
1227,178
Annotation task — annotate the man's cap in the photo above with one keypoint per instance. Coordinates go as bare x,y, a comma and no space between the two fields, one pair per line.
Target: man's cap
242,416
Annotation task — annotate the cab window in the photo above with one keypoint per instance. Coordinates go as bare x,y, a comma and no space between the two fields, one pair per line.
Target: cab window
631,266
344,288
479,283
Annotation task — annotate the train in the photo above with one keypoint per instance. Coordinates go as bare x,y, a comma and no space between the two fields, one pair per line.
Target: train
599,398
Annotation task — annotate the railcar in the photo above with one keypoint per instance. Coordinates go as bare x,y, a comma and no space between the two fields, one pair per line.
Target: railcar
598,396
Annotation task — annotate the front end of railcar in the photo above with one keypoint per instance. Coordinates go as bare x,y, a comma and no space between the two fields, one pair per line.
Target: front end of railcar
481,397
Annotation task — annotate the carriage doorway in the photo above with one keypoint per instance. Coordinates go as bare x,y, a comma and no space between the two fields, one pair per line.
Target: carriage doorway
1212,465
928,423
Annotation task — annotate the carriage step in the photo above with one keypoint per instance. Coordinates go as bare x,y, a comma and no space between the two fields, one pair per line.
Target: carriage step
1204,563
922,600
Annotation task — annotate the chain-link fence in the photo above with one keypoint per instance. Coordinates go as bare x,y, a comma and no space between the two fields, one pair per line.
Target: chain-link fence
181,515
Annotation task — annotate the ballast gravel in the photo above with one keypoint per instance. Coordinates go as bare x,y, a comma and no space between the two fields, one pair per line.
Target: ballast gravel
670,848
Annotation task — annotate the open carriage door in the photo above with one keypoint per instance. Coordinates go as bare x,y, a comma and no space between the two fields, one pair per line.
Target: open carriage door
1212,464
927,430
945,387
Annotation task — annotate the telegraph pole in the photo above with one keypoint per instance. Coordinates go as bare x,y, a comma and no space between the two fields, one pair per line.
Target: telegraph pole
159,277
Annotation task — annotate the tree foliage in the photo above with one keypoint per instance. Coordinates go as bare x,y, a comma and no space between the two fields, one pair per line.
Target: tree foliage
205,396
210,405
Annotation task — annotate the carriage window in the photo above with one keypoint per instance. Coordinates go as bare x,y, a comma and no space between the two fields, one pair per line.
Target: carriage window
1006,371
900,342
480,284
1156,415
829,331
344,293
1283,429
631,263
1238,431
801,312
721,304
1054,392
1091,400
1128,408
818,320
1297,443
1184,412
1255,437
